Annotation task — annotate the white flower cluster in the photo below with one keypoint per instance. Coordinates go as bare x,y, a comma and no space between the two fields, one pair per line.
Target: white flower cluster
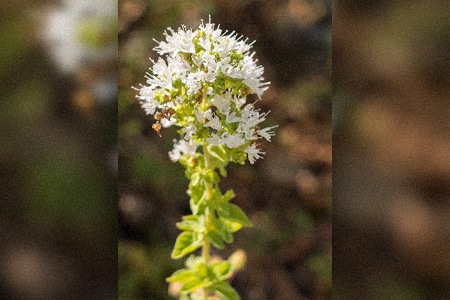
203,77
64,24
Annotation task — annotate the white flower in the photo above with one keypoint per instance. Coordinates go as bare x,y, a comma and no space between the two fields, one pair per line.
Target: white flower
252,117
193,82
214,140
214,44
63,32
147,102
266,133
239,101
256,86
213,120
149,105
167,123
182,147
179,41
189,131
232,118
232,140
199,114
249,132
253,153
222,103
212,72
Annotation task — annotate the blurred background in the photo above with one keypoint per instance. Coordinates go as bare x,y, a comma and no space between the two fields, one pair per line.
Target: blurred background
391,150
390,125
58,157
287,195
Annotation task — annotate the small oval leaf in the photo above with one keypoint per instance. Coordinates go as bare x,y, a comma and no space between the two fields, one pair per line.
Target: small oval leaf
222,270
216,239
195,178
218,152
225,291
182,275
184,244
236,214
188,225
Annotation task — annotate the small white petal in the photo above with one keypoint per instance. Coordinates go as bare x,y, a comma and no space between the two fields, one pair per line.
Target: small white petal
266,133
214,122
167,123
253,153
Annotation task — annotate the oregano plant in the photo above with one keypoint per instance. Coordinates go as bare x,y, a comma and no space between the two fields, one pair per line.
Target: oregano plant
200,83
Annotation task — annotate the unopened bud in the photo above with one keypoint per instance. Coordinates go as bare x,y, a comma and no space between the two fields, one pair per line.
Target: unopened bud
238,259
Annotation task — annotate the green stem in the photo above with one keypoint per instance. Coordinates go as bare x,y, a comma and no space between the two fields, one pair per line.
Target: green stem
207,156
206,243
205,255
204,101
209,188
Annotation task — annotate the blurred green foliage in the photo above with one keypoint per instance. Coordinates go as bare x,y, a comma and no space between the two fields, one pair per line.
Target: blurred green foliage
58,185
143,271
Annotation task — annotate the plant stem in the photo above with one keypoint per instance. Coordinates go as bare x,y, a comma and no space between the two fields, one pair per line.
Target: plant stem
206,243
205,255
204,101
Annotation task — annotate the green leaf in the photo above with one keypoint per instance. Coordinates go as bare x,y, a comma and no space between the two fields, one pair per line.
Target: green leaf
236,214
227,235
192,223
194,206
192,218
198,196
201,270
196,192
190,280
228,195
223,228
201,278
222,171
211,177
225,291
182,275
185,244
222,270
195,179
231,226
189,225
216,239
218,152
223,209
192,285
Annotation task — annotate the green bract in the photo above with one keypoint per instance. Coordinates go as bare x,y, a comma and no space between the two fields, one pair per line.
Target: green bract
200,84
